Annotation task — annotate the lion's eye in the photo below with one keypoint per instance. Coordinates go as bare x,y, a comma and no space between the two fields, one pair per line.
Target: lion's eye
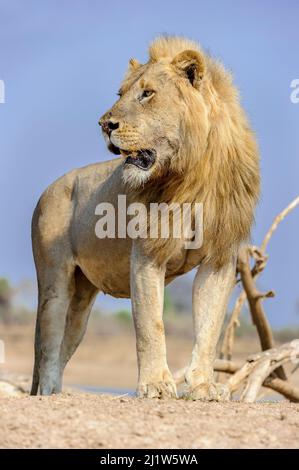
146,94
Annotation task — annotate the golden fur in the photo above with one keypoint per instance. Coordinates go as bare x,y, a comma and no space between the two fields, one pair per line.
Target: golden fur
183,107
217,160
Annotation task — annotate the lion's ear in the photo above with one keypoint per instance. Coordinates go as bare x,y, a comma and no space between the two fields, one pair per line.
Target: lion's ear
191,64
134,64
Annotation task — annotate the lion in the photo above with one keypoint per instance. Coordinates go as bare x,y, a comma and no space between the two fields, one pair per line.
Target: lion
181,136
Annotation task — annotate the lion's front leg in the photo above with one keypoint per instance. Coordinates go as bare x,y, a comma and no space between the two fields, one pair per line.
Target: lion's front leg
147,293
211,291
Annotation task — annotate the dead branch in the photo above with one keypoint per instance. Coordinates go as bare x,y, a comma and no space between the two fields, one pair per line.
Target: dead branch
256,306
241,373
257,371
255,300
260,262
229,334
279,218
283,387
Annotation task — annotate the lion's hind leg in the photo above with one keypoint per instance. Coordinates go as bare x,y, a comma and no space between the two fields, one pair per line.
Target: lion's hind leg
55,291
77,317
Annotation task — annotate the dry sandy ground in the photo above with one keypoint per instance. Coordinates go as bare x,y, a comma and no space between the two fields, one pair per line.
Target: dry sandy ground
91,421
82,420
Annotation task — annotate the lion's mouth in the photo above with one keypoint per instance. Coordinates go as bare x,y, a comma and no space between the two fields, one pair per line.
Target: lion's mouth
143,159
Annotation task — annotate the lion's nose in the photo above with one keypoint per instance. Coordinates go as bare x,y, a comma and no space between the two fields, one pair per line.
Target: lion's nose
109,126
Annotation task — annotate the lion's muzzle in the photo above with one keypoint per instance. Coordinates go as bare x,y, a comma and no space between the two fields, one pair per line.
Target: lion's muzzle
108,126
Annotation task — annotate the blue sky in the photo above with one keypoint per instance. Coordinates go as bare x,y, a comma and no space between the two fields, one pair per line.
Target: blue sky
62,62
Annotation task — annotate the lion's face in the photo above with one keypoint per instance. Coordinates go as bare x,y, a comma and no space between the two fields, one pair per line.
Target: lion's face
147,125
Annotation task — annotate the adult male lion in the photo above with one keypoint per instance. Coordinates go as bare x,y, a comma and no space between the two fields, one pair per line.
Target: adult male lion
183,138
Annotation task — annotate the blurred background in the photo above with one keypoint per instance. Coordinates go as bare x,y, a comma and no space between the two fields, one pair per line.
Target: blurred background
61,63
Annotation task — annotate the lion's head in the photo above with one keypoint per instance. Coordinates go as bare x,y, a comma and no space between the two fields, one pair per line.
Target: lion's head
148,124
179,125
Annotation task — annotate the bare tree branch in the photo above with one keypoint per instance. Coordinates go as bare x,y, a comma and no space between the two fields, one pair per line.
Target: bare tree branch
260,262
283,387
254,299
279,218
256,306
240,373
258,369
229,334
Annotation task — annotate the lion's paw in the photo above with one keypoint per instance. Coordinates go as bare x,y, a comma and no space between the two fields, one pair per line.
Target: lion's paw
208,391
161,389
